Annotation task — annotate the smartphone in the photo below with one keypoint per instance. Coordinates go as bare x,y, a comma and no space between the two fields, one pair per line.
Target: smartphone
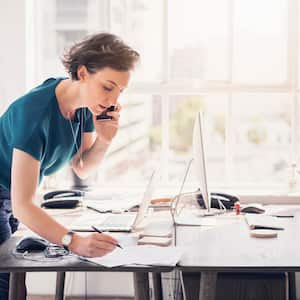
103,116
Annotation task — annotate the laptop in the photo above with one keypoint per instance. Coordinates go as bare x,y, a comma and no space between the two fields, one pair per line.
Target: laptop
124,222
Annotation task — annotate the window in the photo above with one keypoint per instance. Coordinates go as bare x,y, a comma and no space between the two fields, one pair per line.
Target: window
237,62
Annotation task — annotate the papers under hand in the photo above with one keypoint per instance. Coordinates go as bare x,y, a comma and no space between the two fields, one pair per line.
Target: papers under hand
263,222
140,255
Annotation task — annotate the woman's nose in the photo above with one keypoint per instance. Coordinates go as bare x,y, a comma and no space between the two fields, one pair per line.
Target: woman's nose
114,99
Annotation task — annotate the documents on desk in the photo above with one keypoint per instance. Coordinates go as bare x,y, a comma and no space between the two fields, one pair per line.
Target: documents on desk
192,219
282,211
122,222
111,206
263,222
140,255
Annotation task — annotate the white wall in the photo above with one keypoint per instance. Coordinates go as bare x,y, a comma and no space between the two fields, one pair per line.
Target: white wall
106,283
12,51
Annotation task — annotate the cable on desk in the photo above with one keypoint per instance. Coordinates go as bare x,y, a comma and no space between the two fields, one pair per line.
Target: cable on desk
44,256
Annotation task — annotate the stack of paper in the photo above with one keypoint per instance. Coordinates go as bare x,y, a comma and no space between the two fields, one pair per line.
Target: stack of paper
140,255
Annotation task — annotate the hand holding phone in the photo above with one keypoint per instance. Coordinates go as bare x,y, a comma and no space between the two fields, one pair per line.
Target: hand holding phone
103,116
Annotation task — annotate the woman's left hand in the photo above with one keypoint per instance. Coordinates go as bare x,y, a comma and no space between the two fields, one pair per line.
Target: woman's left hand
106,130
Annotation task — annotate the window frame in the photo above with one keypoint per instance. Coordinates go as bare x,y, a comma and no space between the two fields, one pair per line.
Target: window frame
166,88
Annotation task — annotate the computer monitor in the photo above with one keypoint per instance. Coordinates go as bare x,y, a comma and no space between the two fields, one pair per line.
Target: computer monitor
200,161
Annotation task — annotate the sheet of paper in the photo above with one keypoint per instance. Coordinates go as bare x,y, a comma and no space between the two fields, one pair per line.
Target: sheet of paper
282,211
190,219
127,240
161,228
85,222
112,205
263,222
140,255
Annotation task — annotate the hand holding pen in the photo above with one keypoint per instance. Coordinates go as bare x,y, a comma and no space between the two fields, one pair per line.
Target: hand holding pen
100,231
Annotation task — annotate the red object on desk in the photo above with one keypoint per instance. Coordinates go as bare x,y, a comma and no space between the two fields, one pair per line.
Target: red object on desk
237,207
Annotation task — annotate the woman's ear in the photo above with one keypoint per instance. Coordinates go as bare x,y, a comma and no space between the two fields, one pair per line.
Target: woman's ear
82,72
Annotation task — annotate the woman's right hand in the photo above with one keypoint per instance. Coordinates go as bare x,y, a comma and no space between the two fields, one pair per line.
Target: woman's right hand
95,244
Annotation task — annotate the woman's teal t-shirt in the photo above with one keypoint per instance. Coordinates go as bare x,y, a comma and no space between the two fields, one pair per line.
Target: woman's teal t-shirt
35,125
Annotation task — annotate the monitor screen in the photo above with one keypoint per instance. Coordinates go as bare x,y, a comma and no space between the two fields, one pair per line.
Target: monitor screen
199,159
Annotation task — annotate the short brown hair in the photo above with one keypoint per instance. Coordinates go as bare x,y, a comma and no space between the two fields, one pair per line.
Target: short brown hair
100,51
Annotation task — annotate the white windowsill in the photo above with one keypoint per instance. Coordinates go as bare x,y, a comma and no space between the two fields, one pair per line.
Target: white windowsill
271,198
246,196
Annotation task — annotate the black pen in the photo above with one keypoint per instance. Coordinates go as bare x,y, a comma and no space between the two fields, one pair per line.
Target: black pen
99,231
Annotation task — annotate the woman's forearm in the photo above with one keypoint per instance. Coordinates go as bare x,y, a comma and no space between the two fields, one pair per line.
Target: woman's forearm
40,222
91,159
37,220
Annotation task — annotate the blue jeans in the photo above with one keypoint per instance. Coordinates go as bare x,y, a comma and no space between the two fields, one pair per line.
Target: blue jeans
8,225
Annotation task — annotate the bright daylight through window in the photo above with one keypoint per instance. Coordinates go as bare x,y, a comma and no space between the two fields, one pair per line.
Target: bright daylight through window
237,60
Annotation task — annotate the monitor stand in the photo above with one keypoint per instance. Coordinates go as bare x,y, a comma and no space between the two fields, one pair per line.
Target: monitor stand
213,211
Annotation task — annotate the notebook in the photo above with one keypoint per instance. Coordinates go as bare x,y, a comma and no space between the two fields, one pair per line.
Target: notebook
125,222
263,222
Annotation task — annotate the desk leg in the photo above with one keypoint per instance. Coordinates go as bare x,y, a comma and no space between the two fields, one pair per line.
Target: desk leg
208,285
141,286
17,288
292,286
60,285
157,287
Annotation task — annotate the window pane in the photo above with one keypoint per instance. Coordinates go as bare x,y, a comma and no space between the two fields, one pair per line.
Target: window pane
135,151
183,110
66,38
61,24
260,36
198,39
53,49
297,142
298,48
140,23
71,11
262,138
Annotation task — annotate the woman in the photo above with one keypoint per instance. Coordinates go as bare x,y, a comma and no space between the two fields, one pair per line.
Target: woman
56,123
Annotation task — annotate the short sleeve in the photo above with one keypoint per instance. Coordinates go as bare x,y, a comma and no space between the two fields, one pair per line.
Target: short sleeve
30,146
28,136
